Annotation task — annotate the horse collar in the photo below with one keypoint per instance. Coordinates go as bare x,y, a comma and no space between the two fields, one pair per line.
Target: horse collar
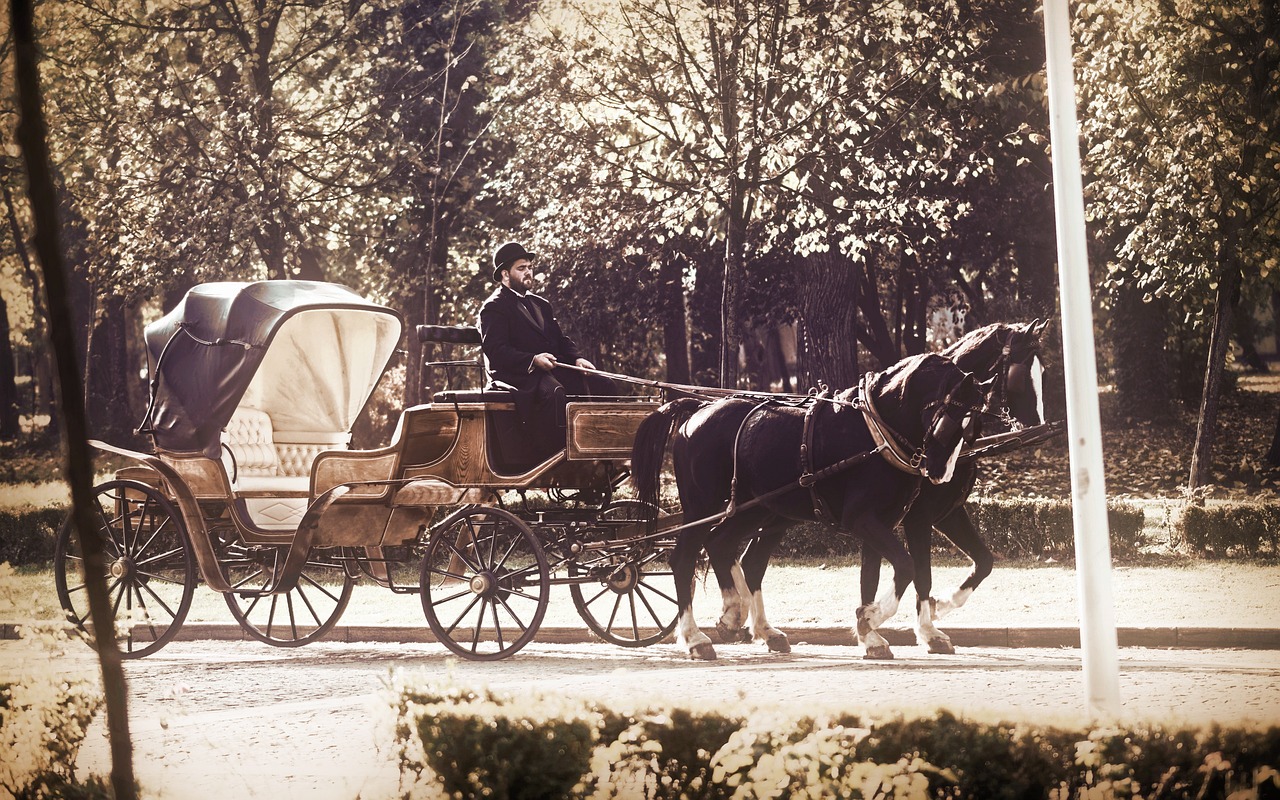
888,441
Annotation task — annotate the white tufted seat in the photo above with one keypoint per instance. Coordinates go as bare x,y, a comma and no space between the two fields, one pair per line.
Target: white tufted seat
267,462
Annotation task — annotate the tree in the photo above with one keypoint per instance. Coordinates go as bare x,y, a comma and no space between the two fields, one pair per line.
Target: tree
1182,126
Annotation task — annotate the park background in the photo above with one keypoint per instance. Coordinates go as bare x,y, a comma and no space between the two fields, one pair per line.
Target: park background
755,194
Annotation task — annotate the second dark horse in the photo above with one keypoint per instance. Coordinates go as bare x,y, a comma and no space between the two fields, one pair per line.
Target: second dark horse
738,466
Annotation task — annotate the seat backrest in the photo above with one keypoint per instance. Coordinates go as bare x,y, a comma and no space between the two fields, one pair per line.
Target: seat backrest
297,449
249,437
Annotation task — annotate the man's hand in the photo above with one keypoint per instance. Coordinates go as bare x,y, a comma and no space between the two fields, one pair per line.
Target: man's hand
585,364
544,361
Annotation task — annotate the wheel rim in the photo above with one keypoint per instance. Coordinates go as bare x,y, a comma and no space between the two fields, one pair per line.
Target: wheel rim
302,615
631,601
150,568
485,584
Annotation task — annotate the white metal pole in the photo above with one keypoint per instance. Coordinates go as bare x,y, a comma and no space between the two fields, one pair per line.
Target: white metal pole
1084,426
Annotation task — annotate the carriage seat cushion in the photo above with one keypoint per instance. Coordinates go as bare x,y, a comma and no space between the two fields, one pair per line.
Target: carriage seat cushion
297,449
248,435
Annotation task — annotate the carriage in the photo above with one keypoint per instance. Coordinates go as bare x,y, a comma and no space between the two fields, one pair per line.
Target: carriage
253,489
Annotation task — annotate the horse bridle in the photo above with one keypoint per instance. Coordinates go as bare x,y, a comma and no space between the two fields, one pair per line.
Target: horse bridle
891,443
997,405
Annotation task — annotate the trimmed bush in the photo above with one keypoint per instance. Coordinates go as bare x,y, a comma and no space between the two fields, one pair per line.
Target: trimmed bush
1012,529
1035,527
28,535
1237,530
664,752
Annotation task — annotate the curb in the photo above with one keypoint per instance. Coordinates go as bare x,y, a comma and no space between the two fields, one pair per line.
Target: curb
1028,637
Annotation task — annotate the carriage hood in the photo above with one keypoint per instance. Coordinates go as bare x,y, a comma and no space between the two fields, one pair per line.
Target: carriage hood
307,353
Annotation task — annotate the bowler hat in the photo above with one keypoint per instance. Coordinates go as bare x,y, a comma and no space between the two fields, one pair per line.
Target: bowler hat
508,254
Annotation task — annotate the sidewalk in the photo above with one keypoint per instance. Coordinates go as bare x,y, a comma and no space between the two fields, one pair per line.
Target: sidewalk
1200,638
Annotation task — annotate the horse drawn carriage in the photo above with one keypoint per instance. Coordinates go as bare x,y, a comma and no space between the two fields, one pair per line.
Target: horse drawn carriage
253,489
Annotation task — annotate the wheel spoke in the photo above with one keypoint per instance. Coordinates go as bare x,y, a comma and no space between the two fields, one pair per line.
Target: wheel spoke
656,590
177,551
303,597
515,542
155,597
475,632
635,623
653,615
461,556
617,603
513,614
497,627
293,624
475,599
305,577
597,595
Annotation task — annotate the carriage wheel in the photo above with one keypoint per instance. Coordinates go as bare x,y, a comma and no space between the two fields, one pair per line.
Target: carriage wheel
300,616
632,601
485,584
150,567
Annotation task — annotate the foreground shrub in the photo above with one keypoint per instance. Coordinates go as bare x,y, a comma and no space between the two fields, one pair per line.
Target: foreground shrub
44,715
466,743
1230,529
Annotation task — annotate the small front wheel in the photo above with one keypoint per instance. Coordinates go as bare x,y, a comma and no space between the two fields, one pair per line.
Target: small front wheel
299,616
485,584
149,566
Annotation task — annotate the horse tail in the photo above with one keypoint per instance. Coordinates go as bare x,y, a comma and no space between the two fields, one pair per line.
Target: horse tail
651,445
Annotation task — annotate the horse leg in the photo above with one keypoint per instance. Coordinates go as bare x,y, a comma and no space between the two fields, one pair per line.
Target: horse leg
872,615
870,582
684,559
721,551
959,528
918,527
751,573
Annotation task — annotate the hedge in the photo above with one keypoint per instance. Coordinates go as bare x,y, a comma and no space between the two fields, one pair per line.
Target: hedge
1248,530
28,535
465,743
1014,528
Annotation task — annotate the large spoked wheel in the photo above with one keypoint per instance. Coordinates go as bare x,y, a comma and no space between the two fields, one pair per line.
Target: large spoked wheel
485,584
149,566
290,619
631,601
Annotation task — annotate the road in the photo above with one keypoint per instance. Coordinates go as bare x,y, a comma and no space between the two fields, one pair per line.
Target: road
241,719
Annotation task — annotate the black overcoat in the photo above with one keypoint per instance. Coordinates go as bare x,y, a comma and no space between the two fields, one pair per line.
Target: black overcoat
511,336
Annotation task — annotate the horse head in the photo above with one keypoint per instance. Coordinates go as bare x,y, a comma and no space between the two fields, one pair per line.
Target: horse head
949,423
1024,373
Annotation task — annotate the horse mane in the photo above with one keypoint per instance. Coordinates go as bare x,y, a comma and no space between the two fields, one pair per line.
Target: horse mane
969,350
900,382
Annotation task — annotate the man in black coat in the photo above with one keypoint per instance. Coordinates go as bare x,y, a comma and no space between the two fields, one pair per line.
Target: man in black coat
525,348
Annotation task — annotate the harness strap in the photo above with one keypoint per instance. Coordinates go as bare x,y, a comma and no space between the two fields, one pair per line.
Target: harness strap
731,509
888,442
807,477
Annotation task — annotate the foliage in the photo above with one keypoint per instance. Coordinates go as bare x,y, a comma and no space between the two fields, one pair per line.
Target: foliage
1240,530
661,751
27,535
44,715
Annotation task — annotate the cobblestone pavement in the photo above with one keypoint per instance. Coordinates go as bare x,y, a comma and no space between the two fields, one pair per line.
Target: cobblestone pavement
241,719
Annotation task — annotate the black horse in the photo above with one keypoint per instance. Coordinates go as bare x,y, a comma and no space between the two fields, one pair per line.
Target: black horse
1008,355
740,465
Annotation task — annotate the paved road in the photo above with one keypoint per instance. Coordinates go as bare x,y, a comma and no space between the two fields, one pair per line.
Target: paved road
240,719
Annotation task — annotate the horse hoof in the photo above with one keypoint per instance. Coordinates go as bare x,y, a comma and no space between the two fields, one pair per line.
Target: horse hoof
702,652
942,647
730,635
880,652
778,643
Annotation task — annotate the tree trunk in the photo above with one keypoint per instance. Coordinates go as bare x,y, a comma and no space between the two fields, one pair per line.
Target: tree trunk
828,308
675,330
1139,331
874,333
1206,427
108,373
704,314
9,428
1273,455
32,136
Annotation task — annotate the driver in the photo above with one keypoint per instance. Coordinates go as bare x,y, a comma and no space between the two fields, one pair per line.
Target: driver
525,349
